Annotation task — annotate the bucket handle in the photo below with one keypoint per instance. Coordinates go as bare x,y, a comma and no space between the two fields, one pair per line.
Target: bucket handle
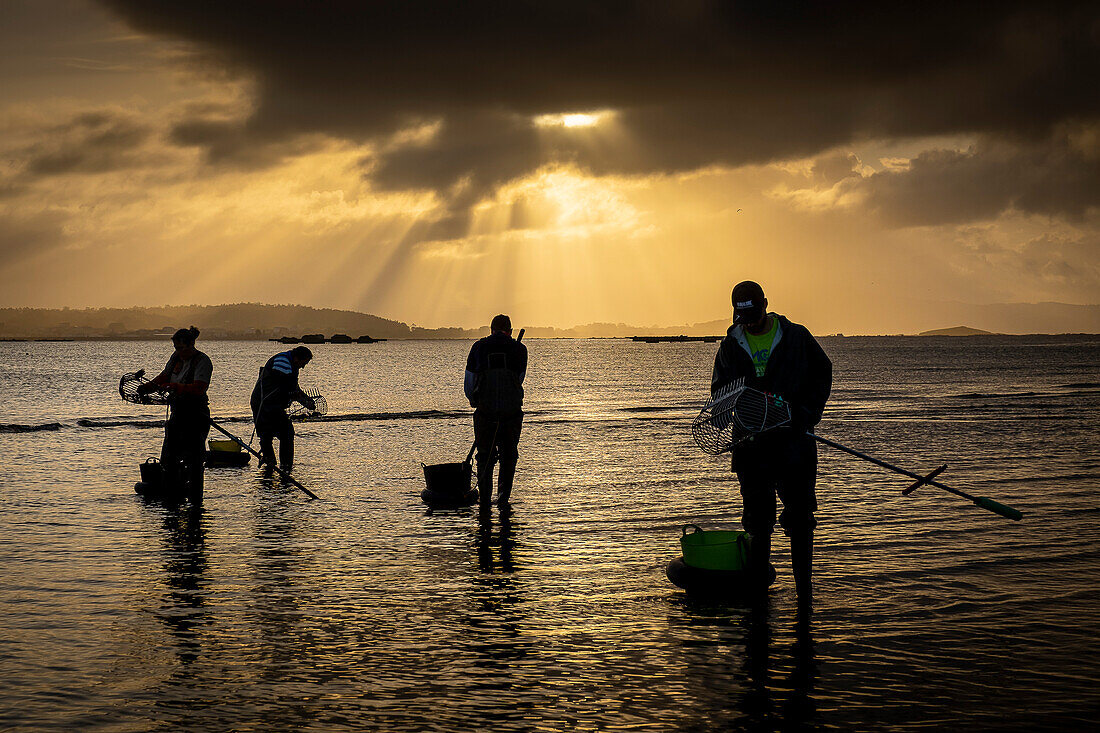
695,526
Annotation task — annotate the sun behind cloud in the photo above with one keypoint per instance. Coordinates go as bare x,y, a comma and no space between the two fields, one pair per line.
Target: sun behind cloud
574,119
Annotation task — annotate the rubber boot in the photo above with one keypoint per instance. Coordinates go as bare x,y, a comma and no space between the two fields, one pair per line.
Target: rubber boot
761,573
286,452
175,480
504,482
194,472
267,451
485,484
802,553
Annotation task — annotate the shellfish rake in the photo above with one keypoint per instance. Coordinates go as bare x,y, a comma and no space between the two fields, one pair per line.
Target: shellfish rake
128,390
297,409
736,413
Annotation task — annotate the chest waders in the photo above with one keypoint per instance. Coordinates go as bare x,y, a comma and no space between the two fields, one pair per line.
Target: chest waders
499,404
183,453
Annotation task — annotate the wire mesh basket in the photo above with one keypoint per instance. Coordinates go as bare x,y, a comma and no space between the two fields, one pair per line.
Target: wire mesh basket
128,390
297,409
736,413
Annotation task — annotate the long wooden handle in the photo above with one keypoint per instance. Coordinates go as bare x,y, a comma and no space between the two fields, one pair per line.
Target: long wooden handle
248,448
988,504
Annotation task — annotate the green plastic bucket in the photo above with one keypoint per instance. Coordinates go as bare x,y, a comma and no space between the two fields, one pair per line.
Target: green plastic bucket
715,549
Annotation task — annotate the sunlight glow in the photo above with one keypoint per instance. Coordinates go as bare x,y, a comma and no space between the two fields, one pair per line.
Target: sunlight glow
572,119
558,202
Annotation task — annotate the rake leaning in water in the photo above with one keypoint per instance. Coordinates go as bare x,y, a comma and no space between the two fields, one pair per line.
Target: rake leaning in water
737,413
128,389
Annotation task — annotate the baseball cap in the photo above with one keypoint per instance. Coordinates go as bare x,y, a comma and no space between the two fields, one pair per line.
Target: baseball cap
748,302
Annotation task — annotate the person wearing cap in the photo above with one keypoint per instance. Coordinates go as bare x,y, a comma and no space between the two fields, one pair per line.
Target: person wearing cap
495,370
276,387
186,378
775,355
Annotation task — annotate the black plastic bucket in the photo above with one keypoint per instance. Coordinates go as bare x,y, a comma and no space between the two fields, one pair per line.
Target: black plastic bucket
448,479
449,486
151,472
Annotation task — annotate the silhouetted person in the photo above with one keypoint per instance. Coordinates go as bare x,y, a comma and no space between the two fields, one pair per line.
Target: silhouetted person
186,378
494,386
276,388
775,355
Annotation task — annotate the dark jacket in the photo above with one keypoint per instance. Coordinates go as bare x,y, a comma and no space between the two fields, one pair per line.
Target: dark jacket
277,385
495,371
798,370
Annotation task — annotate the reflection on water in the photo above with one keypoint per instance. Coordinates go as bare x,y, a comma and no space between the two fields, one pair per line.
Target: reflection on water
265,610
496,547
743,675
184,611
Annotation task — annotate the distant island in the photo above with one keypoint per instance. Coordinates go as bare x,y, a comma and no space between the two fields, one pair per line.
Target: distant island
957,331
260,321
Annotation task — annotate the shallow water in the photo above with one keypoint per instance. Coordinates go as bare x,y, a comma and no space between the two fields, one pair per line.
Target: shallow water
266,610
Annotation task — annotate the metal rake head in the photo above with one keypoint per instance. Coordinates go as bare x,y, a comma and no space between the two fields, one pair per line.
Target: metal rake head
128,390
736,413
297,409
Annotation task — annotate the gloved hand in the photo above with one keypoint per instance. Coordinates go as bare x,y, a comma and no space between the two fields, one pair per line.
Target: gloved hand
143,391
802,420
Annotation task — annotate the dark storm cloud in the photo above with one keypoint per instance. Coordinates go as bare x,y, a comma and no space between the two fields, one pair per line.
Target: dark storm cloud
228,142
695,83
91,142
1057,176
506,140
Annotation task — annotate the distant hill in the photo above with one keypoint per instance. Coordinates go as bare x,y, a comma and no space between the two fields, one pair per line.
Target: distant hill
956,331
232,321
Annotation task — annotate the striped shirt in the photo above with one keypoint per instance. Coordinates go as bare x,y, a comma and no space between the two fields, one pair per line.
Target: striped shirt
277,384
281,363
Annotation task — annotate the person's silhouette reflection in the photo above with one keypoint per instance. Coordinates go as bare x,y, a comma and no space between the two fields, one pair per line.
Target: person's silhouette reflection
185,564
756,702
744,677
793,697
800,707
504,541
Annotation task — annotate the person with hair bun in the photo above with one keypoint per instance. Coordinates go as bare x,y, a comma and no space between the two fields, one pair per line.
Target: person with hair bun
186,377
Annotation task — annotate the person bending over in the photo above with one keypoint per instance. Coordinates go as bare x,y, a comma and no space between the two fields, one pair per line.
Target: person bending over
276,388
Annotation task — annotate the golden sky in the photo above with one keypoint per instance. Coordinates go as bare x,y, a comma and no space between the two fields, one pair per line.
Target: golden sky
437,163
